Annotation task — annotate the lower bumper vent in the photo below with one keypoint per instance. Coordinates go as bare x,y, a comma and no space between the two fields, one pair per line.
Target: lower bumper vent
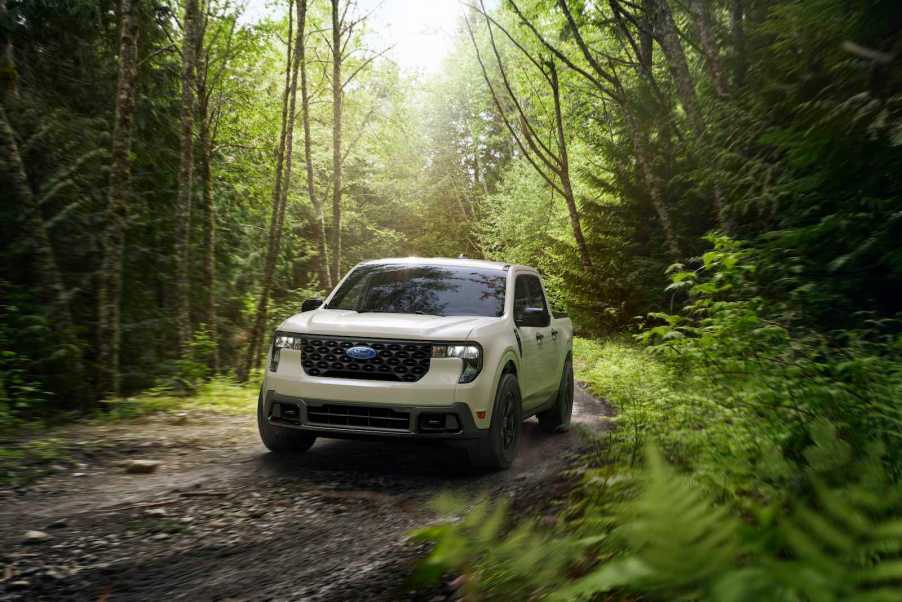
359,416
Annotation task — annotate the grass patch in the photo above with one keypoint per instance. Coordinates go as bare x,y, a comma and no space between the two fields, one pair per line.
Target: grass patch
222,394
682,410
25,463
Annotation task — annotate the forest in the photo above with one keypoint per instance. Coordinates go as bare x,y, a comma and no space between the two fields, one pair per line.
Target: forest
712,190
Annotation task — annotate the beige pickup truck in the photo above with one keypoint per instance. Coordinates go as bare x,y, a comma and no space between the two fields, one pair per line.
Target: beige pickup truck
451,350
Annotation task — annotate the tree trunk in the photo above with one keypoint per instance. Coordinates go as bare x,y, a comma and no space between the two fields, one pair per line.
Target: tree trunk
669,38
209,270
280,195
564,173
43,258
337,93
319,226
7,63
252,356
185,180
14,182
737,16
652,183
646,40
46,266
708,42
110,289
12,170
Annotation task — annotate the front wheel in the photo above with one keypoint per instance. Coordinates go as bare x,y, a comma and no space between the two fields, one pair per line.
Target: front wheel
499,448
557,418
280,439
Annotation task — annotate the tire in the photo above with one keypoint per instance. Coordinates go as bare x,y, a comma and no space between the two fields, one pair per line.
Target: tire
557,418
279,439
499,447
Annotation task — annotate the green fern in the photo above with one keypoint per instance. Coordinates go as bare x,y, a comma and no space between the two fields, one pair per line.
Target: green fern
679,541
497,562
845,544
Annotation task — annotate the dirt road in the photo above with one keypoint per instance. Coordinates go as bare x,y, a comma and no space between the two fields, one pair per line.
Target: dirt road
221,519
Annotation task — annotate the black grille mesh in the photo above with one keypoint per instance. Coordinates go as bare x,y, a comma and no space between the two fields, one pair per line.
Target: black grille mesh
403,361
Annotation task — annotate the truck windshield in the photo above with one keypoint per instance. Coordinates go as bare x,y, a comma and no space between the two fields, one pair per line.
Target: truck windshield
438,290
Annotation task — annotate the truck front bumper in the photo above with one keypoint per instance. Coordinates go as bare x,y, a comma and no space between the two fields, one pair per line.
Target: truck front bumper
363,420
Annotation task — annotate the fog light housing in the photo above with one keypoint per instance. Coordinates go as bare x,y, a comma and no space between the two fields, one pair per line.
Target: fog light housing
285,412
438,423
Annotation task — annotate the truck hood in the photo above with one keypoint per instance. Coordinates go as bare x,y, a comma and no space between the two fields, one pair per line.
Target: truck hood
339,322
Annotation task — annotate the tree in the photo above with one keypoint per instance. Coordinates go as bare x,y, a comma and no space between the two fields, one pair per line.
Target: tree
280,188
341,34
326,279
609,85
552,165
109,295
185,177
214,55
7,63
341,48
708,40
42,256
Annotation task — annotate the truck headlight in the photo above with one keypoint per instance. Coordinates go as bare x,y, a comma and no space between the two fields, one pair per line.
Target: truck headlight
283,341
471,355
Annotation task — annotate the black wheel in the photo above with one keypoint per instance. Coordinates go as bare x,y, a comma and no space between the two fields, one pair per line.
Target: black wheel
499,448
280,439
557,418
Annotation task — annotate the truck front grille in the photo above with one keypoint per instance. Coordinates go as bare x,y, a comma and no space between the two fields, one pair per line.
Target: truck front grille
359,416
402,361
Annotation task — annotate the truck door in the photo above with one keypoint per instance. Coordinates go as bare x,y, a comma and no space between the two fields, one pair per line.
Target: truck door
536,340
549,343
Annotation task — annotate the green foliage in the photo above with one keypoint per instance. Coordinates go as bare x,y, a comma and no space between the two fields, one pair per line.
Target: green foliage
24,380
222,394
189,371
843,544
756,358
770,367
18,393
669,539
496,561
783,449
676,538
24,464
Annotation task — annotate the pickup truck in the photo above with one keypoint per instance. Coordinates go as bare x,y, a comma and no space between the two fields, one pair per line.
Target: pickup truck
452,350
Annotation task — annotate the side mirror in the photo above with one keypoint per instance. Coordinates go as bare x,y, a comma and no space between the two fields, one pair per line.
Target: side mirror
311,304
534,317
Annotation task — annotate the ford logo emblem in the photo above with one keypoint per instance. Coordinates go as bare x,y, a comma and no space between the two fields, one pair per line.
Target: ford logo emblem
361,352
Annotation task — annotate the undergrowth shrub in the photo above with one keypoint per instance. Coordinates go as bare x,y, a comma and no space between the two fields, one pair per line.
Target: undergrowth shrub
183,376
22,393
751,458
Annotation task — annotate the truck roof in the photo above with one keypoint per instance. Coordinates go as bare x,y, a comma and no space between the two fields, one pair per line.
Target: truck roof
476,263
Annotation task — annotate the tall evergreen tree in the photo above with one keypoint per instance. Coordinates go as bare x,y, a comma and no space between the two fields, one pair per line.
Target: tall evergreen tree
109,295
185,177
